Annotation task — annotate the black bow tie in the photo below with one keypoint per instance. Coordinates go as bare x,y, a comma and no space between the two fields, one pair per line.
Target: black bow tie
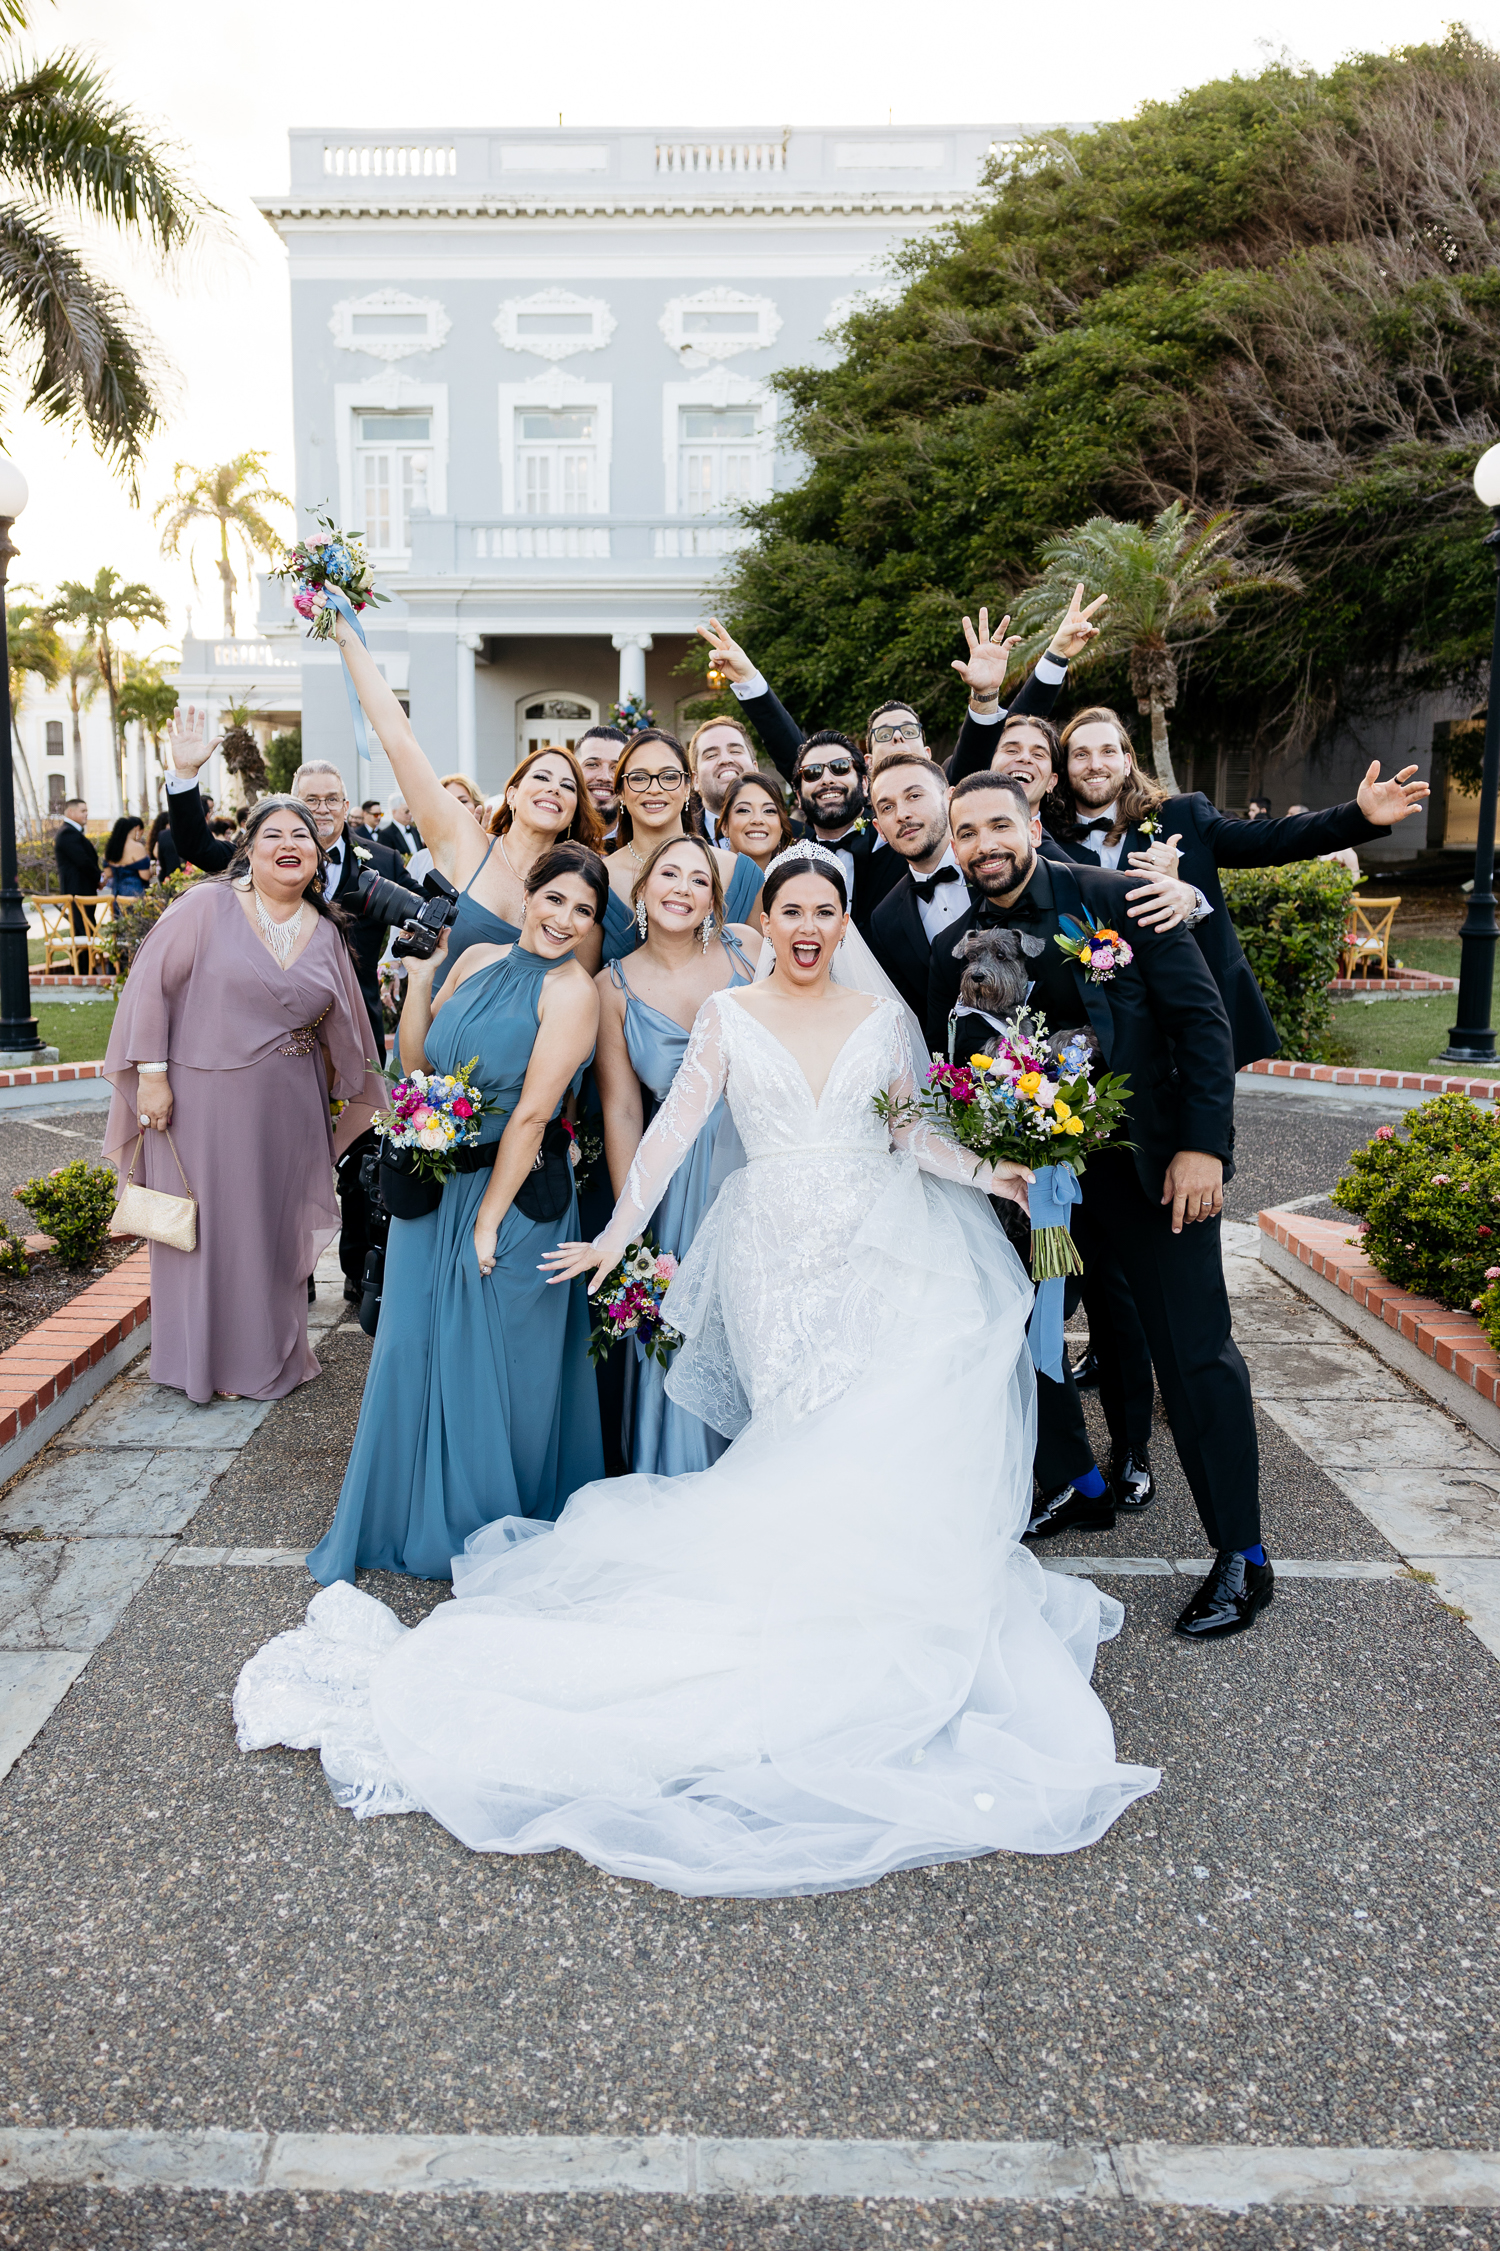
1087,828
926,885
336,851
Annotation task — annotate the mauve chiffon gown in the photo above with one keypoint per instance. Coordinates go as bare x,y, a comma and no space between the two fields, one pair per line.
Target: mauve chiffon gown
246,1041
480,1401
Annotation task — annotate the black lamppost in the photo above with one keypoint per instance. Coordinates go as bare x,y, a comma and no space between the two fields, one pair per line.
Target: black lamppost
1472,1039
20,1040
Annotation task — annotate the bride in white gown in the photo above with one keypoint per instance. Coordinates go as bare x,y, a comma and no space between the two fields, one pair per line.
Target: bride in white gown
827,1656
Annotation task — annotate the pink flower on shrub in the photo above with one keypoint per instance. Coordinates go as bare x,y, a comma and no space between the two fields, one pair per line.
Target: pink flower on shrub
1384,1132
1442,1179
1492,1273
1486,1230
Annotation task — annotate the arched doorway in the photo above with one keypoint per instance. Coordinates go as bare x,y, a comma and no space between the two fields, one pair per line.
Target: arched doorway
552,718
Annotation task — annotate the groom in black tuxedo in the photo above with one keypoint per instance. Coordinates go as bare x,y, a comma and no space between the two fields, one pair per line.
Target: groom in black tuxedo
1159,1020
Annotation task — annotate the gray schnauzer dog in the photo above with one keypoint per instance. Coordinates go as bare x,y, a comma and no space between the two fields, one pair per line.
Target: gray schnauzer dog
997,974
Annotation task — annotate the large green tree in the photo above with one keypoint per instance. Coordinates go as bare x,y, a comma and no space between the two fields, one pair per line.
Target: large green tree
70,152
1277,294
230,498
101,606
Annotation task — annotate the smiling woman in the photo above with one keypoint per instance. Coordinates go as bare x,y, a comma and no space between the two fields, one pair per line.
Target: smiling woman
241,1016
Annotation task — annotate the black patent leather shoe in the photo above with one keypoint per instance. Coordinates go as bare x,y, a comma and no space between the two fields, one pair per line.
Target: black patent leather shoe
1133,1479
1071,1511
1228,1599
1086,1370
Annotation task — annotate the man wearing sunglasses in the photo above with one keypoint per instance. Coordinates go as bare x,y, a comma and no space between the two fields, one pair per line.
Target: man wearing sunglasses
829,782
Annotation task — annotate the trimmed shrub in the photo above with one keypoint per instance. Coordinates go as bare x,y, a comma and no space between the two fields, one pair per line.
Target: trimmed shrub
13,1259
1291,923
74,1205
1429,1196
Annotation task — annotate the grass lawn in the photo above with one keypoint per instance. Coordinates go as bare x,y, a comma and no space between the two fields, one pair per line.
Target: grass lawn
79,1030
1402,1035
1439,956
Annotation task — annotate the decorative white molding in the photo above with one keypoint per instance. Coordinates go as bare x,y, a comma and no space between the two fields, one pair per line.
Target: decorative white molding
890,156
355,324
522,324
867,300
719,388
698,327
556,389
389,393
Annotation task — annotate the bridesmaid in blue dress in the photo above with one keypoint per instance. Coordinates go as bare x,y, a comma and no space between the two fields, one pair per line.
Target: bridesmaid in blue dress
647,1005
480,1401
654,785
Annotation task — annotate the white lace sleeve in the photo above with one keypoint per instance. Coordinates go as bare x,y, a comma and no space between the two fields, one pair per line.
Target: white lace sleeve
933,1150
700,1081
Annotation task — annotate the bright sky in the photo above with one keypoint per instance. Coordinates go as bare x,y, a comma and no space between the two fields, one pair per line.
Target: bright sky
228,80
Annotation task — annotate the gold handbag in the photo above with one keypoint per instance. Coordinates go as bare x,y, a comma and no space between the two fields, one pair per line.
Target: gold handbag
151,1212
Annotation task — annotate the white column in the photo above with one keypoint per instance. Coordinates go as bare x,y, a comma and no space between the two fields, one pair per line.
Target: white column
469,645
632,648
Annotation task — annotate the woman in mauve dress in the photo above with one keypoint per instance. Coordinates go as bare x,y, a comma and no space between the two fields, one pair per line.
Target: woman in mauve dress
240,1016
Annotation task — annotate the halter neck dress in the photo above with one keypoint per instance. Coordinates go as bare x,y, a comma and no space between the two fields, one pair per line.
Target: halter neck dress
474,925
621,937
658,1436
480,1400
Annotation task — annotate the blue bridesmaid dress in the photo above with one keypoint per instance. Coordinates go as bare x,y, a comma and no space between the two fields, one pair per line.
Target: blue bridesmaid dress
474,925
659,1436
621,936
480,1400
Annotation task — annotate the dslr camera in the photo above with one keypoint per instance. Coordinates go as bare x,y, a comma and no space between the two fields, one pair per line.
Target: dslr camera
422,926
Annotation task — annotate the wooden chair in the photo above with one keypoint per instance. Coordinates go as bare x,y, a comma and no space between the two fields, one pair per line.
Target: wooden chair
61,942
1367,941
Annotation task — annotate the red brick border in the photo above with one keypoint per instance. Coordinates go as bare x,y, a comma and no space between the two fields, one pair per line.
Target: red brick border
47,978
34,1372
1401,1082
1408,981
1453,1341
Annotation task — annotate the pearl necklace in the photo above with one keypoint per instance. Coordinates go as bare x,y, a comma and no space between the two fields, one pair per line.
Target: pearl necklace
281,937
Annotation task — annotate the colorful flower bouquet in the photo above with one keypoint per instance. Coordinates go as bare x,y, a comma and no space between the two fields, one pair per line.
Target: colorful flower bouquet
1034,1102
1098,950
628,1304
430,1117
328,558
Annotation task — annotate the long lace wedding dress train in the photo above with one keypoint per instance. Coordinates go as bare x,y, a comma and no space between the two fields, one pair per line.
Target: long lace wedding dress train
824,1657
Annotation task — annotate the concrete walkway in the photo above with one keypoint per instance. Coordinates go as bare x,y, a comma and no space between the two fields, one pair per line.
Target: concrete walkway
1262,2011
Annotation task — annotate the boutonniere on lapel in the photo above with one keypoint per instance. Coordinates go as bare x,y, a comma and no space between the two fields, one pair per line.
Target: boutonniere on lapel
1098,950
360,853
1150,827
861,826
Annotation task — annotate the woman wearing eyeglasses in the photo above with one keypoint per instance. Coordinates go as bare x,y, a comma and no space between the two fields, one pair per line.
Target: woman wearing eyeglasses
654,785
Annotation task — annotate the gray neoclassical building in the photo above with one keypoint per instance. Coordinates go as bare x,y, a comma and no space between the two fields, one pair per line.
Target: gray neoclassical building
531,367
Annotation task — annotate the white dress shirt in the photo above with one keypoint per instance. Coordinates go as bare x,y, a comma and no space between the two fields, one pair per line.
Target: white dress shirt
948,902
1110,856
334,867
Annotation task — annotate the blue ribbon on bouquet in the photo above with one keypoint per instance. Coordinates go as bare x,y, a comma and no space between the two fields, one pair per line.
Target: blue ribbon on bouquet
356,708
1051,1195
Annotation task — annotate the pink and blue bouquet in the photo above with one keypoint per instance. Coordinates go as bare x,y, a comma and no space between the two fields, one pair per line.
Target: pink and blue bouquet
431,1116
328,558
628,1304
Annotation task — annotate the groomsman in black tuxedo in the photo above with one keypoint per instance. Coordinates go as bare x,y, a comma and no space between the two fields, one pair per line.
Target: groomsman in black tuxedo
1157,1205
909,799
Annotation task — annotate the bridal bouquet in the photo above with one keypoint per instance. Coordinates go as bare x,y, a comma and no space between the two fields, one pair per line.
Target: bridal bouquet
328,558
431,1116
629,1304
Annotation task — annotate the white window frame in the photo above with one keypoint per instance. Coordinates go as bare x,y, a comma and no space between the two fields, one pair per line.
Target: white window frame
556,391
718,390
706,351
341,325
541,695
390,394
507,324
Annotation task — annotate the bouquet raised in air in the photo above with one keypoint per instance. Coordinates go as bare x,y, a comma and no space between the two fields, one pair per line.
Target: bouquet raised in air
628,1304
431,1116
1037,1102
327,558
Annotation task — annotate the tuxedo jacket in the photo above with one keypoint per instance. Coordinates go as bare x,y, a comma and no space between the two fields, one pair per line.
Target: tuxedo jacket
1211,840
77,862
399,840
365,938
976,745
1159,1019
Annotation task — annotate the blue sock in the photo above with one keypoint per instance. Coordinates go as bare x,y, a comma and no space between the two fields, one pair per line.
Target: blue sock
1091,1486
1257,1554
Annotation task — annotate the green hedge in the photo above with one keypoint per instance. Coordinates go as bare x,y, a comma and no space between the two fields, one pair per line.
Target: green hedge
1291,922
1429,1196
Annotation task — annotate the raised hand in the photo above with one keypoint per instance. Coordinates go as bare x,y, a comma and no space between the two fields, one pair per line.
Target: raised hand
728,655
1076,631
187,741
1385,803
1160,858
988,659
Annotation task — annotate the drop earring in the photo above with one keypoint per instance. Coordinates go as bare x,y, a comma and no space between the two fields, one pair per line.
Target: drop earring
640,919
242,883
707,931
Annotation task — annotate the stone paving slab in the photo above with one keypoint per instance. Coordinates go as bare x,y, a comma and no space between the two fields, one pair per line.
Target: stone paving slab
1331,1370
141,1413
1380,1436
102,1492
67,1594
1434,1512
32,1684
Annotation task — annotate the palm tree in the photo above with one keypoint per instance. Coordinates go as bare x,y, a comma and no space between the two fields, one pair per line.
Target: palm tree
231,498
150,701
70,151
81,672
110,601
35,650
1164,581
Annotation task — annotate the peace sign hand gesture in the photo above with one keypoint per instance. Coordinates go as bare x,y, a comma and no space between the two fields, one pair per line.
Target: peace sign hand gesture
187,740
988,660
1075,632
728,657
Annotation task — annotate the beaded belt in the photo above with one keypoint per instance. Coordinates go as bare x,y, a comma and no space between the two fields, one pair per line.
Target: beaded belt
305,1038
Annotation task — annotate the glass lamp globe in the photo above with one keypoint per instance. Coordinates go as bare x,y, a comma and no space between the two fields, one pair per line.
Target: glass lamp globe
14,493
1487,477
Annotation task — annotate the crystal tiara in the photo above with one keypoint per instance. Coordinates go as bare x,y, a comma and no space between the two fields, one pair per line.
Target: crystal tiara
804,849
